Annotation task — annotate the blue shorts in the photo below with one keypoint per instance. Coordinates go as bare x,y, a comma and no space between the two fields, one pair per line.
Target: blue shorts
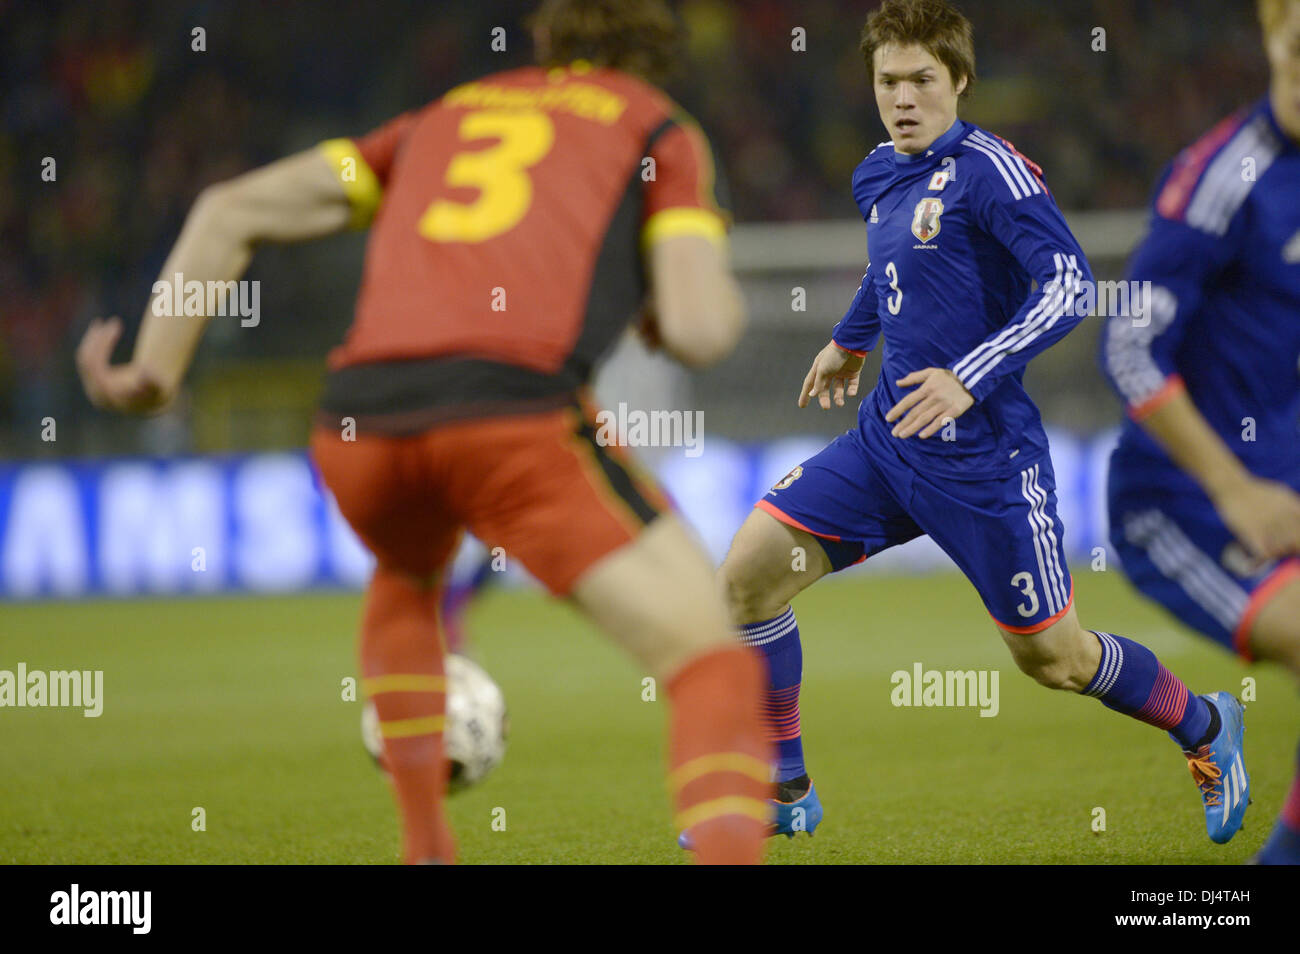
1177,552
858,497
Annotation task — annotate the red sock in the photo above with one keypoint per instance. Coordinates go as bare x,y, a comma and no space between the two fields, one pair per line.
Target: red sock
402,670
719,756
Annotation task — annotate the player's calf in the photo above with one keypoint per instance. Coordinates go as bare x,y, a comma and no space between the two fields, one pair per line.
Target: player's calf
768,563
1127,677
1061,656
1124,675
656,598
402,674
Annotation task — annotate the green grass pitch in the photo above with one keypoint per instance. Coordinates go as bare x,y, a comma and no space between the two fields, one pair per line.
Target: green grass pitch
234,705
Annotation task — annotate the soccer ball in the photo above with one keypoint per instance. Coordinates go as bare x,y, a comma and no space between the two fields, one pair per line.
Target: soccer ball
474,739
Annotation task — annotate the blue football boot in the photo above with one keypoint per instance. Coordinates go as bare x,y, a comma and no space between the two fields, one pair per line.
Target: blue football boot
1220,772
796,812
796,808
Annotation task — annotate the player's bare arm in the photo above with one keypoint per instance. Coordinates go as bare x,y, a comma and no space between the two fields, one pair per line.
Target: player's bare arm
836,371
1264,515
936,396
291,200
696,312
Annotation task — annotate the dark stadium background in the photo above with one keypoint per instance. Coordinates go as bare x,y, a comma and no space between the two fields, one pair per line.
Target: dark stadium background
139,123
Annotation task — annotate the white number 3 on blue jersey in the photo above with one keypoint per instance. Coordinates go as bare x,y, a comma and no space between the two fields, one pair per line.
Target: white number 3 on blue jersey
895,302
1024,582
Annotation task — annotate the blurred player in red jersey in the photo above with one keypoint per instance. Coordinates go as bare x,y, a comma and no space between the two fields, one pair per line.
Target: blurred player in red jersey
512,223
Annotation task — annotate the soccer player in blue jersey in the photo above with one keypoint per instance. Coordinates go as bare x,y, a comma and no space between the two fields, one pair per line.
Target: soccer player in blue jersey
1204,509
959,226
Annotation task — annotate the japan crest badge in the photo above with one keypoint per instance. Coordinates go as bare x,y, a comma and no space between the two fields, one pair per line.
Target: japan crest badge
925,220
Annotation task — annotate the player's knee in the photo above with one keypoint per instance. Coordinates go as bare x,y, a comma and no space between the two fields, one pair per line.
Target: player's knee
694,622
1290,653
1281,645
1060,657
767,565
676,645
747,595
1053,673
737,590
1275,636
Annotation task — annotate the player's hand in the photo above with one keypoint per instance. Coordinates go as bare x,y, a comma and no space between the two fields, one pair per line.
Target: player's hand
937,397
834,369
121,387
1263,515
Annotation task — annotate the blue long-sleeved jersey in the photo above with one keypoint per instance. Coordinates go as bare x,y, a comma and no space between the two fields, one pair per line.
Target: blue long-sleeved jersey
1223,260
957,236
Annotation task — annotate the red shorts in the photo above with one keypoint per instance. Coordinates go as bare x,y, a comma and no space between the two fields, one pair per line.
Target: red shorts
538,485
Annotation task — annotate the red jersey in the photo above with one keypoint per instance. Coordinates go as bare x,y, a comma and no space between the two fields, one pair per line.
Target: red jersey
510,217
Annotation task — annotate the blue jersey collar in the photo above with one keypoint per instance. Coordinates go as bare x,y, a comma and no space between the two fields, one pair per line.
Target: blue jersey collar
938,147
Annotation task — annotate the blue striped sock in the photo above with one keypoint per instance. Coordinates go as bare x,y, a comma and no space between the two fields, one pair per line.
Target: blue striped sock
1132,680
778,640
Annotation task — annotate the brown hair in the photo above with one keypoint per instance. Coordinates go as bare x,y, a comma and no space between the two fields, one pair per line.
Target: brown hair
639,36
935,25
1271,14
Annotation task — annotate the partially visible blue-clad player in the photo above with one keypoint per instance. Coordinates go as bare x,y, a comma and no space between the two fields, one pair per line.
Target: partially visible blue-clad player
1203,488
959,227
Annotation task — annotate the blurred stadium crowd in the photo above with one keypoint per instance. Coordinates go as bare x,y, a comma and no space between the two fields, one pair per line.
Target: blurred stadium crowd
138,122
